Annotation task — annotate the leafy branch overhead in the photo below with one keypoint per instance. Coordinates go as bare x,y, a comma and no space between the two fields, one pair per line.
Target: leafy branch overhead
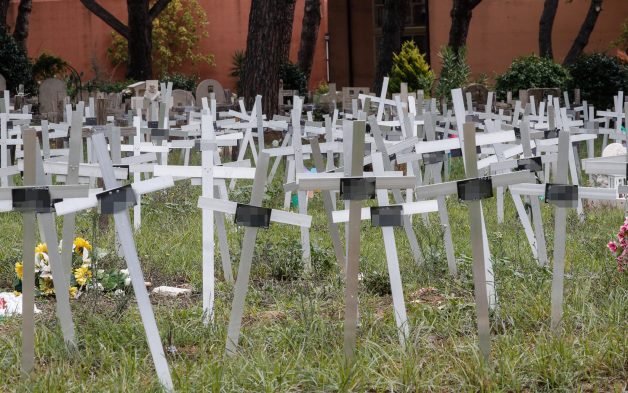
175,37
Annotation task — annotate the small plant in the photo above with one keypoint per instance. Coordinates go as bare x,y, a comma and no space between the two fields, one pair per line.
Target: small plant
293,78
322,88
455,72
599,77
105,86
376,281
15,65
180,81
237,65
409,66
530,72
619,248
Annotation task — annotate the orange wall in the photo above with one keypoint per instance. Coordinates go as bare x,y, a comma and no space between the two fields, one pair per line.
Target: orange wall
67,29
504,29
500,30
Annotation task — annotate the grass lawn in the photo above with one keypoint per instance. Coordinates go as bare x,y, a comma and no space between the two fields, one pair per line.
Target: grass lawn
292,329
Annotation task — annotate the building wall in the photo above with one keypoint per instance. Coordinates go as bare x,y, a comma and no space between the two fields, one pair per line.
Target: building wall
504,29
500,30
65,28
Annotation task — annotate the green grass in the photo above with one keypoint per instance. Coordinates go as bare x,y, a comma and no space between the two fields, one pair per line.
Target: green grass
292,329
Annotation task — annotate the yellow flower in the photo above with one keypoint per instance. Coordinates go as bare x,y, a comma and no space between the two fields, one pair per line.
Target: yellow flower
73,292
41,247
82,274
45,286
19,270
80,244
17,293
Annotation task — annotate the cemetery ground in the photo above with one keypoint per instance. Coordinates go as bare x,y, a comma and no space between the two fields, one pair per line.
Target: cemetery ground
292,329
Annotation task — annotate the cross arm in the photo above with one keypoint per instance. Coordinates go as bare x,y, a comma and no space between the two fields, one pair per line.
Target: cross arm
278,216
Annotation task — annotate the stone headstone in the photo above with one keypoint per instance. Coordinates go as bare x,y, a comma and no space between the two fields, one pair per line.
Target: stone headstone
351,93
479,94
182,98
541,94
208,86
51,92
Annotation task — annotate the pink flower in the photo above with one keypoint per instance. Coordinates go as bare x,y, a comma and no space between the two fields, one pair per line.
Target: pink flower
612,246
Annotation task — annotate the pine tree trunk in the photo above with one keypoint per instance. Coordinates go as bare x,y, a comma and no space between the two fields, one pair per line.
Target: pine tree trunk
546,24
267,47
392,30
582,39
309,35
140,44
20,33
461,13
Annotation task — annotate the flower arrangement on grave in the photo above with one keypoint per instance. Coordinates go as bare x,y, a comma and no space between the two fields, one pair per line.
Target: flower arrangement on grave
82,278
619,247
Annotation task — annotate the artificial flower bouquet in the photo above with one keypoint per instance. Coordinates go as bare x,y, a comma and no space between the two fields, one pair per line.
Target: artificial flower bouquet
82,278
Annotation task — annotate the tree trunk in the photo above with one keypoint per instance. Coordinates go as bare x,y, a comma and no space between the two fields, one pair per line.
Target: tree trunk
140,66
4,11
461,12
20,33
582,39
546,24
392,30
267,46
309,35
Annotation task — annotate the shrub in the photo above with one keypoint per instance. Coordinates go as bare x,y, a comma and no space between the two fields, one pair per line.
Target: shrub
293,78
410,66
529,72
176,33
237,65
15,65
48,66
180,81
599,77
104,86
455,72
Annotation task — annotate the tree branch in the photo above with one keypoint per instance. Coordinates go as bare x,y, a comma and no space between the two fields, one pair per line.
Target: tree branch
582,39
157,8
107,17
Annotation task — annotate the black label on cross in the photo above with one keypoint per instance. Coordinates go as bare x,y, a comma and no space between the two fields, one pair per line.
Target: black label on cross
475,189
116,199
357,188
90,121
252,216
32,199
159,132
532,164
433,157
386,216
153,124
561,195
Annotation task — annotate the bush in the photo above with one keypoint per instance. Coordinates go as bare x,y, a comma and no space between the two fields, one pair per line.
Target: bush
180,81
410,66
599,77
293,78
455,72
529,72
49,66
15,65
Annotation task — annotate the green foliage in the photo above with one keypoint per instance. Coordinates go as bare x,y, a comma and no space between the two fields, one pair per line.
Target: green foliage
293,78
376,281
410,66
237,65
322,88
176,34
48,66
283,257
454,73
622,41
180,81
15,65
107,86
529,72
599,77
